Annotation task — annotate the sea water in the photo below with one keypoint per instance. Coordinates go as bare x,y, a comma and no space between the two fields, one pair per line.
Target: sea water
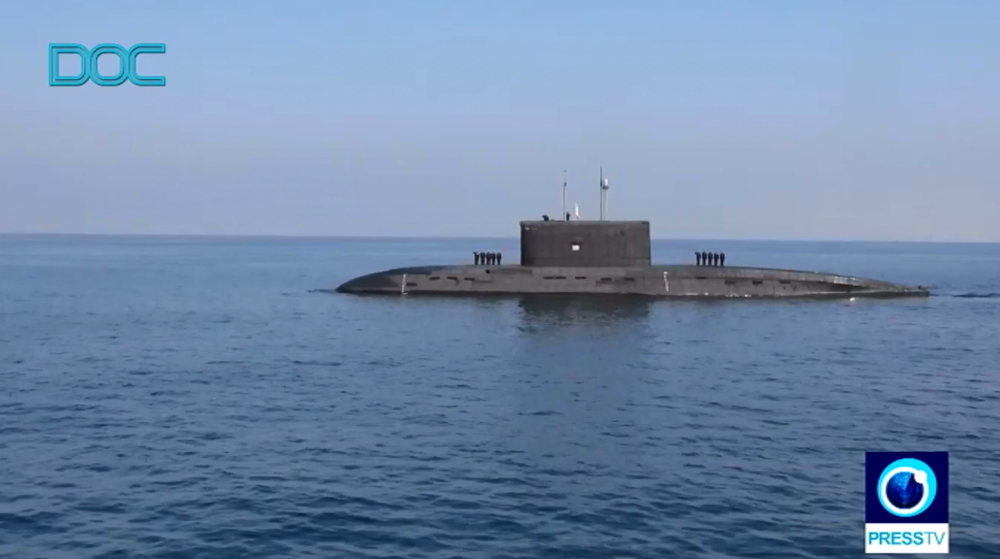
210,397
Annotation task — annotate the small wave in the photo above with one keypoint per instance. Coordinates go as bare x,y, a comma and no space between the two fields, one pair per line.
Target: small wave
318,363
322,291
977,295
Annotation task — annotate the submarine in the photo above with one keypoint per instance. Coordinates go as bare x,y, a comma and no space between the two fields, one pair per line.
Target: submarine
614,258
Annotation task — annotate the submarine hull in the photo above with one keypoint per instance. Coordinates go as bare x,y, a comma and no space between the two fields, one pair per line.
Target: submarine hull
654,281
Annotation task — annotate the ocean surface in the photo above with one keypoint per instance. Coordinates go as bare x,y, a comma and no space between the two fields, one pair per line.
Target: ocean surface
211,398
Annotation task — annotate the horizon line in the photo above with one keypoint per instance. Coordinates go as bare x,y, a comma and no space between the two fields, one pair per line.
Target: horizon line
445,237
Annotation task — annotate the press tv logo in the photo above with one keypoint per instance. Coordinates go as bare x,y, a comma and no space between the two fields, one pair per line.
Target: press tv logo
906,502
127,59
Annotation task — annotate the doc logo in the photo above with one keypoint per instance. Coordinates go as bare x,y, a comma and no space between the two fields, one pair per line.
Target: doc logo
127,59
906,502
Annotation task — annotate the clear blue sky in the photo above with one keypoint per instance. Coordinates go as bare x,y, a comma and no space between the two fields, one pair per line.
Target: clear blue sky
713,119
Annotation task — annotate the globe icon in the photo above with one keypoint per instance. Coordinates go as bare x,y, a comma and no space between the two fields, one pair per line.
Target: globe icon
905,490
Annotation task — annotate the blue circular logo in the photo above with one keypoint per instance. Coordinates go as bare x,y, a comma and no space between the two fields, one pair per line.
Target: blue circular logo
907,487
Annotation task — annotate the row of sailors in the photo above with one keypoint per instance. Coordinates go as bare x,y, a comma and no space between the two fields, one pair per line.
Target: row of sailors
710,258
488,258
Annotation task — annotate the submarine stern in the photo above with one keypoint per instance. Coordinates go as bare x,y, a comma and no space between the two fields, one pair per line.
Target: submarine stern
369,283
388,281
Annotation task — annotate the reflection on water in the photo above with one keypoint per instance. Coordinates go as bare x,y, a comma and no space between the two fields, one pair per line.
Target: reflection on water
572,400
571,309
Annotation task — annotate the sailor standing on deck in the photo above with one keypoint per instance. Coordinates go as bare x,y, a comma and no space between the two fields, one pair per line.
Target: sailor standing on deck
476,256
697,258
499,258
722,259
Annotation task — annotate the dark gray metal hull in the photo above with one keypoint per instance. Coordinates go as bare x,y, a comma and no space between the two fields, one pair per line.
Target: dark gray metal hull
653,281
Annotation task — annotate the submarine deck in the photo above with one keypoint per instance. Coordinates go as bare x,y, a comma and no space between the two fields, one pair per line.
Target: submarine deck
656,280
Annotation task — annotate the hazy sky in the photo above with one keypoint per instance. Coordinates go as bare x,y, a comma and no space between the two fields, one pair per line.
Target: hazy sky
713,119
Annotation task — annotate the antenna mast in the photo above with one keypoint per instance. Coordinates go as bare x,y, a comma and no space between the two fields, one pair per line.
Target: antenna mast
562,216
600,185
604,194
607,198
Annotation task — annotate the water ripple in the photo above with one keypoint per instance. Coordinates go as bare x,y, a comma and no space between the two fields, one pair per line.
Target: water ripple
222,410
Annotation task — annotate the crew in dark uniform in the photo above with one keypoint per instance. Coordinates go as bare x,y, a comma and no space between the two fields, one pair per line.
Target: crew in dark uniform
486,258
697,259
490,257
722,259
704,259
715,258
499,258
476,255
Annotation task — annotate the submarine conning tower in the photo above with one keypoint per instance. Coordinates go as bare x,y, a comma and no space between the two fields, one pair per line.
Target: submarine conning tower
585,243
